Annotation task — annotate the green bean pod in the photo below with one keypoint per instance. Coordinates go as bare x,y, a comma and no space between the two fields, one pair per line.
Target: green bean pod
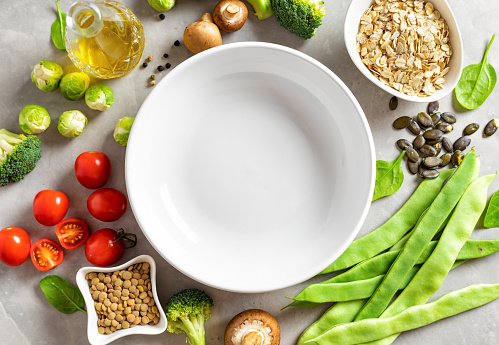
394,228
435,269
379,265
436,215
452,303
337,314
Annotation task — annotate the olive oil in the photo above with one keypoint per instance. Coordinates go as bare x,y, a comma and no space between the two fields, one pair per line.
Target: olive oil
104,38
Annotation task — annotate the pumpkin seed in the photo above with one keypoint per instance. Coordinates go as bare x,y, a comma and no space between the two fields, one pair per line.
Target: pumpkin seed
438,147
449,117
428,150
414,127
491,128
433,134
445,127
403,143
432,107
457,158
412,154
402,122
435,118
471,128
430,174
446,157
432,162
394,102
447,144
418,142
432,142
462,143
412,167
424,119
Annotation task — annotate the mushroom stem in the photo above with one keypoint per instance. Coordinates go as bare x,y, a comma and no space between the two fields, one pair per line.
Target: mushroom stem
253,337
231,11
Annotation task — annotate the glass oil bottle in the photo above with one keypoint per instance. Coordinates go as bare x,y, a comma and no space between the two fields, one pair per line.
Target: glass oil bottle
103,38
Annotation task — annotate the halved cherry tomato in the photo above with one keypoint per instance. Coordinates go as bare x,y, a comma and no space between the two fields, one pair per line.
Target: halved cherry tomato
46,254
107,204
50,207
107,246
71,232
14,245
92,169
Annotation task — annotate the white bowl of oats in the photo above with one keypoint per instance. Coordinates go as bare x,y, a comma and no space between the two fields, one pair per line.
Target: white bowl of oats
410,49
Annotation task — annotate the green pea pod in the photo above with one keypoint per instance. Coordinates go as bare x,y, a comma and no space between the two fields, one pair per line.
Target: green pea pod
436,215
337,314
435,269
450,304
394,228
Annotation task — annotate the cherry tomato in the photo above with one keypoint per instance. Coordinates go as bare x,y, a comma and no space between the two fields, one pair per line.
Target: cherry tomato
107,204
50,207
14,245
92,169
46,254
71,232
107,246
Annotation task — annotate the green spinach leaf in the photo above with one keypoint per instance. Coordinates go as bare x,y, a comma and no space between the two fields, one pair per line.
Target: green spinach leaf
476,83
58,29
389,177
492,215
62,295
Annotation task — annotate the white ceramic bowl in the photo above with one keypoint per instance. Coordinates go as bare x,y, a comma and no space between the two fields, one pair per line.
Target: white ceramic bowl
250,167
351,28
92,329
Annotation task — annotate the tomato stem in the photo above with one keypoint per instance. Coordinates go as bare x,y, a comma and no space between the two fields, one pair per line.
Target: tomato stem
127,237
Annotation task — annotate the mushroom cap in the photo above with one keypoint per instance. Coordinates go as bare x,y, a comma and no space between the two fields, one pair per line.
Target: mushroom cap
253,315
230,15
202,35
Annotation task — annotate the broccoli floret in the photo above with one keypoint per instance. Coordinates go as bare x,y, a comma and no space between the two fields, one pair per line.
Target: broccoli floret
18,156
187,312
301,17
262,8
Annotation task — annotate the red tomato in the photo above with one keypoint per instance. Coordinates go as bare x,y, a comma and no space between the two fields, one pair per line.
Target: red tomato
46,254
50,207
71,232
107,246
14,246
92,169
107,204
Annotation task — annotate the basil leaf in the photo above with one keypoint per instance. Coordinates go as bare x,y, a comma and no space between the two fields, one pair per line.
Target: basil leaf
58,29
476,83
492,216
62,295
389,177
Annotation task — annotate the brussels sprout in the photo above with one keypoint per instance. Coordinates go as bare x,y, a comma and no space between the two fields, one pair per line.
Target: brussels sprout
122,130
74,85
99,97
46,75
161,5
71,123
34,119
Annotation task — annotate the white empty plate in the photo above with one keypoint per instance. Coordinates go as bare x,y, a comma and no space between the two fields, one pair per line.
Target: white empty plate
250,167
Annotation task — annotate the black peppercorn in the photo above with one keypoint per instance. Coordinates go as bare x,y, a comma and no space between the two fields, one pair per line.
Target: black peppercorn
145,64
161,68
161,16
168,65
165,55
176,43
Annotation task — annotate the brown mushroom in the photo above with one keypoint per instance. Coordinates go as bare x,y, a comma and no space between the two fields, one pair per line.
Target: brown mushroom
202,35
230,15
252,327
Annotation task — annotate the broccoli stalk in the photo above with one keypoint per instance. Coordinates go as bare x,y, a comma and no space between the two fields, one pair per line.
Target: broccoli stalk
18,156
301,17
187,312
262,8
